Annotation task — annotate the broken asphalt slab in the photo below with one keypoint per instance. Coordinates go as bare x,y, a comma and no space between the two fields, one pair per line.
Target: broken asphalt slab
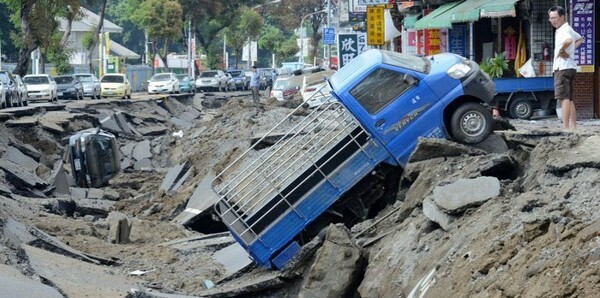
584,154
21,177
429,148
432,211
16,156
200,202
14,284
142,150
234,258
457,196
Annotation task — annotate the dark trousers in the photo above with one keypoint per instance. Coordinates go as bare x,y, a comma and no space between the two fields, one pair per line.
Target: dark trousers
255,94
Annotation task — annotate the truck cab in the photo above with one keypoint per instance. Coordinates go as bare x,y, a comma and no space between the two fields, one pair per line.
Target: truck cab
325,168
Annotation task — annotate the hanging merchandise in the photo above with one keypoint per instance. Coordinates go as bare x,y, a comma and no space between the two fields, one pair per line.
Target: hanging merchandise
521,55
546,52
510,43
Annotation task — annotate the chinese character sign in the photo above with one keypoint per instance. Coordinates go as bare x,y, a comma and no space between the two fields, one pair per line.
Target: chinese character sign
372,2
457,40
375,25
583,23
347,47
432,41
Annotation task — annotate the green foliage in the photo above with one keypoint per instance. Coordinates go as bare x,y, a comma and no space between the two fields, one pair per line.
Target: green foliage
495,66
59,56
87,39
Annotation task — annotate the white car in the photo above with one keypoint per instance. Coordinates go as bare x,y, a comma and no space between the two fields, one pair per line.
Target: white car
212,80
315,89
40,87
2,96
163,83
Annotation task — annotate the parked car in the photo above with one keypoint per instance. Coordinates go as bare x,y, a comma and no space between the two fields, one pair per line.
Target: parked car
212,80
186,83
267,73
68,87
231,86
21,90
115,84
91,85
315,89
163,83
285,88
2,96
13,98
41,86
242,82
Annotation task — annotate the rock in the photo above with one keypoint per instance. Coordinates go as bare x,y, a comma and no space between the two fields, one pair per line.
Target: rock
27,150
589,232
143,165
15,155
535,228
428,148
584,154
432,211
142,150
20,177
120,228
336,267
155,130
464,193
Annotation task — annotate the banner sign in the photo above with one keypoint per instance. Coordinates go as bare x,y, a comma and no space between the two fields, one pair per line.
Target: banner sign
457,40
583,23
375,25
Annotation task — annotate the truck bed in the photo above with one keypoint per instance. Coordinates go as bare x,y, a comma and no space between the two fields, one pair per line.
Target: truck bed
510,85
270,197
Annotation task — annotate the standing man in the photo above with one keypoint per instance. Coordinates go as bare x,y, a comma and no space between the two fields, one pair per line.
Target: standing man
254,84
564,66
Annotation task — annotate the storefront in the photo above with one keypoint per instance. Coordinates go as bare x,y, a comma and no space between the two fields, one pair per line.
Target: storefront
478,29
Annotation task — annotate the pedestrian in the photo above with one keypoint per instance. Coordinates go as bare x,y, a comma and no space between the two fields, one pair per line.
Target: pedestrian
255,84
566,41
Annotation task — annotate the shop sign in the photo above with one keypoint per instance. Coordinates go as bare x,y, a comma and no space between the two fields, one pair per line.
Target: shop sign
347,47
372,2
457,40
583,23
432,41
375,25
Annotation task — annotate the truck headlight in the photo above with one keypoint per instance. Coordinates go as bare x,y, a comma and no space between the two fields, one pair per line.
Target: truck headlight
459,70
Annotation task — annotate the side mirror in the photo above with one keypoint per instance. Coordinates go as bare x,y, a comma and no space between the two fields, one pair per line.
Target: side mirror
410,80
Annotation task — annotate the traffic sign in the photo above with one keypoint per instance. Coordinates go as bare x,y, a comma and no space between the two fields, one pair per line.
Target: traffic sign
329,35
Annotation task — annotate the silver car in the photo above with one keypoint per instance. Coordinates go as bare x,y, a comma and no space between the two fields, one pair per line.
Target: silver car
91,85
212,80
21,90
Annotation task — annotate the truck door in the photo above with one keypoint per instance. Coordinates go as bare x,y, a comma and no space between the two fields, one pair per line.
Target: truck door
390,99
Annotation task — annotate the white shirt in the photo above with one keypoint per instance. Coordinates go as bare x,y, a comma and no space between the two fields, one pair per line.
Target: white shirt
563,33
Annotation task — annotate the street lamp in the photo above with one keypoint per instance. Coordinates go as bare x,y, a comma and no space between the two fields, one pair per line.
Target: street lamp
301,58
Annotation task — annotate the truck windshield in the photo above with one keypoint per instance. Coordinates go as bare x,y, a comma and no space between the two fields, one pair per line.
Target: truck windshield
415,63
379,88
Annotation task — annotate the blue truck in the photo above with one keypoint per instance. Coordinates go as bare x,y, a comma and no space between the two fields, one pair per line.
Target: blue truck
339,163
520,97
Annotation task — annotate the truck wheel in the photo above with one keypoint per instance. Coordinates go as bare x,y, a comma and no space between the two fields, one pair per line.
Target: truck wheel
471,123
521,108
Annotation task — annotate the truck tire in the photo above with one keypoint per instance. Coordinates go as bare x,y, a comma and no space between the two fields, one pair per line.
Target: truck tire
471,123
520,108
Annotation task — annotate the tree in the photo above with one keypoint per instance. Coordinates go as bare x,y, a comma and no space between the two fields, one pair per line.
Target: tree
273,39
247,26
162,21
291,11
95,37
20,10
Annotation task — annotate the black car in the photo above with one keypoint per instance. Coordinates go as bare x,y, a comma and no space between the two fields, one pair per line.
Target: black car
267,73
13,97
68,86
94,157
241,81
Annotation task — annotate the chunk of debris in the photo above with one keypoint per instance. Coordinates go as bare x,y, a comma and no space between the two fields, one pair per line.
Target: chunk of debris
432,211
22,122
27,150
142,150
464,193
14,284
176,176
155,130
15,155
336,267
585,154
493,144
234,258
120,228
143,165
200,202
429,148
21,177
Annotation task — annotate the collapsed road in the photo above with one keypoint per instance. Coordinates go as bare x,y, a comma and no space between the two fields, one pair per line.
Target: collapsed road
516,219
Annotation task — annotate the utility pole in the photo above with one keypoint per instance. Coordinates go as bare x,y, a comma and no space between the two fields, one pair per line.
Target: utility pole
190,49
225,58
327,53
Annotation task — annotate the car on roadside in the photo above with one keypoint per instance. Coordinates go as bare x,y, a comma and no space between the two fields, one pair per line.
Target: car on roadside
230,83
41,87
186,83
315,89
115,85
262,84
91,85
163,83
285,88
13,97
2,96
267,73
242,82
68,87
21,90
211,80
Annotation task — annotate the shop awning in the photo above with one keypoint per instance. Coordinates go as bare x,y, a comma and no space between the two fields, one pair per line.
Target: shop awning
438,18
466,11
410,20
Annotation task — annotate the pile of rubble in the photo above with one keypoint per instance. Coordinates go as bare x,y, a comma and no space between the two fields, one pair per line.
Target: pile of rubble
517,217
